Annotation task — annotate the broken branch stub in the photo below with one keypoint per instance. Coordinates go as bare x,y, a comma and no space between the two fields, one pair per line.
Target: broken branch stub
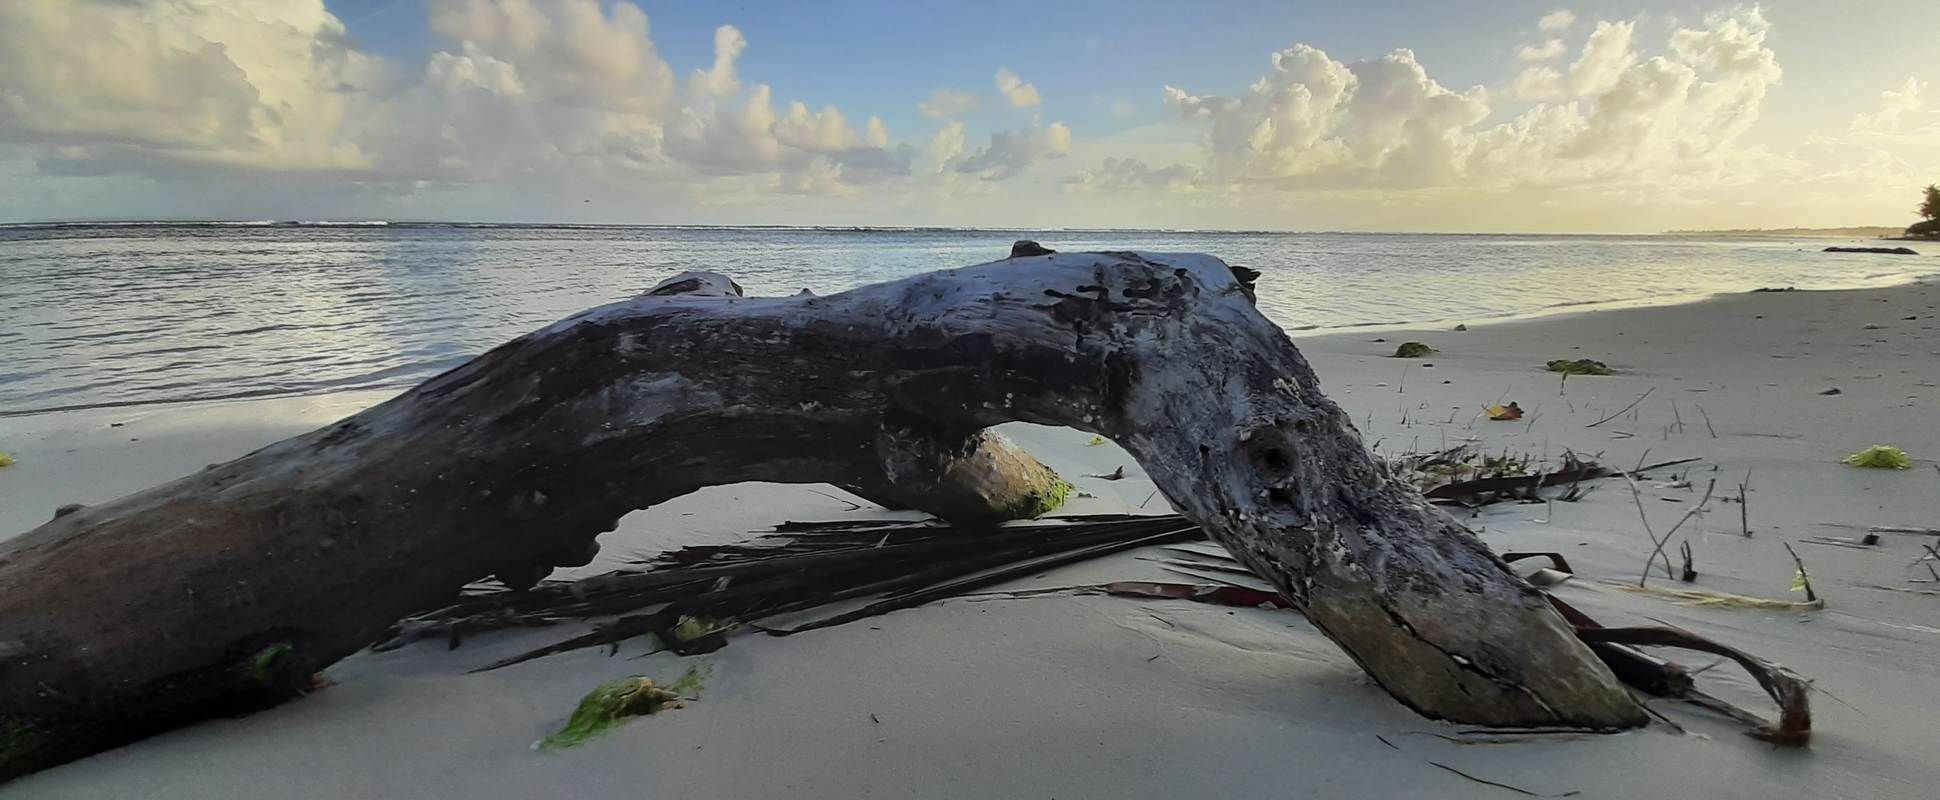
133,615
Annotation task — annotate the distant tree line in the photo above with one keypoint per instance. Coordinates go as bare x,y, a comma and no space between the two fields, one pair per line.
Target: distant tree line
1929,225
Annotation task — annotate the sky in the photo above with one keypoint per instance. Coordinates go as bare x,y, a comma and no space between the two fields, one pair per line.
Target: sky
1620,116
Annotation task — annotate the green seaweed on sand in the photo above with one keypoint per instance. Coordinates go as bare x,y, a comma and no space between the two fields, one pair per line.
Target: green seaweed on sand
6,460
1581,366
1413,350
689,629
1880,456
1040,501
614,702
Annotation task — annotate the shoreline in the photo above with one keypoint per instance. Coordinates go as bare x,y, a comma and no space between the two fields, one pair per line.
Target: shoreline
1296,333
1104,697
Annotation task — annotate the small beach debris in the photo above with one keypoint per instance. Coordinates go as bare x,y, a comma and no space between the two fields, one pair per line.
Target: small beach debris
1879,456
1114,475
1620,411
1802,580
1461,327
1831,390
1499,785
614,702
1580,366
6,460
1413,350
1710,599
1095,441
1504,413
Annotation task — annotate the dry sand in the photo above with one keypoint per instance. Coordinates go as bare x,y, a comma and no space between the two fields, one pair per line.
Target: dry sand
1060,697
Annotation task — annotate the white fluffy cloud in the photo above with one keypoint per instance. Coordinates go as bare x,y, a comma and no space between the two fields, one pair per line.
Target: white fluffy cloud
1899,112
559,91
1613,117
948,103
1558,20
1380,121
1016,92
1542,52
182,84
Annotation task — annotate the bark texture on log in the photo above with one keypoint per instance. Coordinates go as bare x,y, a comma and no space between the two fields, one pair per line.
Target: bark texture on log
228,588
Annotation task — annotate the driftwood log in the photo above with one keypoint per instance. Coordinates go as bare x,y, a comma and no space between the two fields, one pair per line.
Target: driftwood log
228,589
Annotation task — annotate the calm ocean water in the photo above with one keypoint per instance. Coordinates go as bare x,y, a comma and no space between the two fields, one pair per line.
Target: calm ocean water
129,314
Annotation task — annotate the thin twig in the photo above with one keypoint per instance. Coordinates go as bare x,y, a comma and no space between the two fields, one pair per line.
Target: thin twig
1517,789
1744,509
1707,421
1633,404
1637,495
1695,510
1805,578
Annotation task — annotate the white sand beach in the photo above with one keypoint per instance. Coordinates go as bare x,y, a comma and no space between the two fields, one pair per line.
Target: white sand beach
1101,697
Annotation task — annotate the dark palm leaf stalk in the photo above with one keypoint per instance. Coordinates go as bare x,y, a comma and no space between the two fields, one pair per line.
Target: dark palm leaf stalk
699,595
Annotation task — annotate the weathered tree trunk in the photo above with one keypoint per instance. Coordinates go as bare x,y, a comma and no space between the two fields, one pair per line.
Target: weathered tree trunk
226,589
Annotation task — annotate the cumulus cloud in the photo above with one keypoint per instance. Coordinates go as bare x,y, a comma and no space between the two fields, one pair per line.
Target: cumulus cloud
1123,108
1381,121
1896,106
270,84
1558,20
1605,57
560,90
1542,52
948,103
1009,153
1320,123
1016,92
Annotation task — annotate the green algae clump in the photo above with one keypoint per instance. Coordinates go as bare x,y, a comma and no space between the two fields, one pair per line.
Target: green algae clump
1880,456
1581,366
1413,350
612,703
1038,502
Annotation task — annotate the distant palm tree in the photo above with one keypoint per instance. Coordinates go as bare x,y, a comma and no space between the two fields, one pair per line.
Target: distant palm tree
1930,207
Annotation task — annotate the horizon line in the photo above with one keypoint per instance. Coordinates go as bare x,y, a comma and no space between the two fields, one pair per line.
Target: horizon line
344,223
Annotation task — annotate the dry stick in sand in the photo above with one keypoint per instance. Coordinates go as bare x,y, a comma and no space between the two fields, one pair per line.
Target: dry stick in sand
1637,495
1633,404
1707,421
1805,578
1744,511
1695,510
1486,782
1679,418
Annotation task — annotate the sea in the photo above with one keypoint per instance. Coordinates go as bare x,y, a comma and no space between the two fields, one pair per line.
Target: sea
122,314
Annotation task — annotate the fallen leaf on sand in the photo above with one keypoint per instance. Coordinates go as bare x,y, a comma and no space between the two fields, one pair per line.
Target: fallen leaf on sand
1508,412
